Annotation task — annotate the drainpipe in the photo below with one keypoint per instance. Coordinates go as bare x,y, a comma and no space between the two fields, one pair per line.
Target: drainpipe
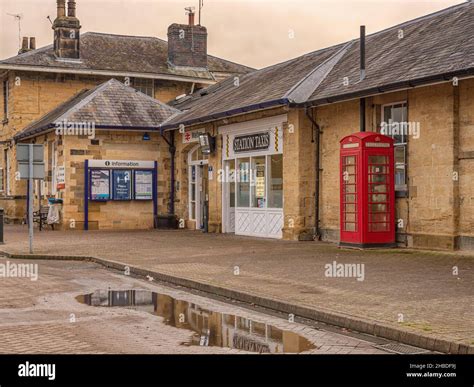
362,77
317,233
172,150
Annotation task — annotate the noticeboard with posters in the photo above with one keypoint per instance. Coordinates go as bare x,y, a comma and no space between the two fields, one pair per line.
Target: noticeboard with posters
143,183
100,185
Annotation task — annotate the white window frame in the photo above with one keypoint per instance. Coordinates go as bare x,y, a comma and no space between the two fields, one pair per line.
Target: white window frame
400,187
197,198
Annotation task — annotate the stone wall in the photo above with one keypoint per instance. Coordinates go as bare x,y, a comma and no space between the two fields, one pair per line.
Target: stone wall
438,208
32,95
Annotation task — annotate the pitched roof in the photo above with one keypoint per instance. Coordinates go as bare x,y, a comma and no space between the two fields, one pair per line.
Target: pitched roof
433,48
109,105
440,43
122,54
273,85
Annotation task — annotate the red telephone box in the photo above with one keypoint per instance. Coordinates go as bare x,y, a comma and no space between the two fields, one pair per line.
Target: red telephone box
367,191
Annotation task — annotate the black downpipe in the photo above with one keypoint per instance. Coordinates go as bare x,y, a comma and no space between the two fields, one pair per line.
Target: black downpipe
317,234
362,114
362,77
172,149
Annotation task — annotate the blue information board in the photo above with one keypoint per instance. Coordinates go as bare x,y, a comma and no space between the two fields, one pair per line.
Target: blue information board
121,184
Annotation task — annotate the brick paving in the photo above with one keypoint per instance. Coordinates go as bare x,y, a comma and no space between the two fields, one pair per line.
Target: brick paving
37,318
416,286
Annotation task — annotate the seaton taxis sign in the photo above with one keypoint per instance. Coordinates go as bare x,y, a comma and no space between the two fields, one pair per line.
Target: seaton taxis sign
252,142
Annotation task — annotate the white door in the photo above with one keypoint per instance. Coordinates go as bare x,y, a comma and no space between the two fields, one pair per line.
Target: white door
198,185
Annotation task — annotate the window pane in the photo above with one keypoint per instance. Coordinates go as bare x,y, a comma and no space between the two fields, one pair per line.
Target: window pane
144,85
231,177
275,188
258,180
243,182
378,159
349,227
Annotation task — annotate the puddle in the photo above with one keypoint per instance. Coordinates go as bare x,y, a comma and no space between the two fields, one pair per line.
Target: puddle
211,328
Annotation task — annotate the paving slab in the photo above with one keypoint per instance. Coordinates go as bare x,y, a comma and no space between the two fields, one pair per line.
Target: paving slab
408,291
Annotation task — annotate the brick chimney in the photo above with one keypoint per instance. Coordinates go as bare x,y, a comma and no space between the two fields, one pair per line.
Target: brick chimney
187,44
66,31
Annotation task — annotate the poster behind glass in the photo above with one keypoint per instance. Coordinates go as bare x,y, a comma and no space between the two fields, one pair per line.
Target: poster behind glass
143,185
100,184
122,184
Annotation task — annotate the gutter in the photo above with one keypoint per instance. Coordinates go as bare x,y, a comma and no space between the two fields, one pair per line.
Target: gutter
398,86
107,73
228,113
46,129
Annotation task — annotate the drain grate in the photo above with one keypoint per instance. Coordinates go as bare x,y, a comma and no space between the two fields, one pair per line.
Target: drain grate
401,348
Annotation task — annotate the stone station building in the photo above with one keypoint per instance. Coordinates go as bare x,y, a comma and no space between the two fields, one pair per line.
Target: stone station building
38,80
417,75
274,168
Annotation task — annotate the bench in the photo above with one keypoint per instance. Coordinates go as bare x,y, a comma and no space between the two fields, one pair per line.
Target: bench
41,217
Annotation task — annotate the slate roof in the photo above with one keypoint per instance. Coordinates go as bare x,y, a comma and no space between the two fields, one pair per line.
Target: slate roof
109,105
123,54
273,85
434,48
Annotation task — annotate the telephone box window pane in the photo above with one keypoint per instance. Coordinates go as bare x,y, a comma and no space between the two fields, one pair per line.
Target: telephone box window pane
378,169
378,159
350,188
349,160
350,198
379,217
378,208
350,208
378,198
376,188
351,218
349,227
378,179
350,169
379,227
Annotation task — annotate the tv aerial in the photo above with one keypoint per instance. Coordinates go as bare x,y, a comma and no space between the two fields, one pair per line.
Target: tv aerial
18,17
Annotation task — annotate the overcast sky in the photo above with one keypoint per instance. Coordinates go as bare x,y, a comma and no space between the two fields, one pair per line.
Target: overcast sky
257,33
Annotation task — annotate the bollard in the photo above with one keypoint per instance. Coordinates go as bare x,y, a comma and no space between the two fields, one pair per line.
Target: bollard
2,214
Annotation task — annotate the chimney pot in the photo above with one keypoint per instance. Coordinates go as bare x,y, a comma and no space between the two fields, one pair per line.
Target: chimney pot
71,8
32,43
24,45
61,8
191,18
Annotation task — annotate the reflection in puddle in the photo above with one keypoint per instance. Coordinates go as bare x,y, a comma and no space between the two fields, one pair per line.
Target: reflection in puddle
212,328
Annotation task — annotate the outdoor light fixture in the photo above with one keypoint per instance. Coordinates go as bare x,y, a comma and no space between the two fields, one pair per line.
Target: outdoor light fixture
208,143
146,137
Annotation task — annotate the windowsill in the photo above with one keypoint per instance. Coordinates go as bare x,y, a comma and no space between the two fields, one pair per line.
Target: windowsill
401,194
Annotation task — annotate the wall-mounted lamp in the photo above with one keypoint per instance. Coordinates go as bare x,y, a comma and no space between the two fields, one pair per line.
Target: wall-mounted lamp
146,137
208,143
